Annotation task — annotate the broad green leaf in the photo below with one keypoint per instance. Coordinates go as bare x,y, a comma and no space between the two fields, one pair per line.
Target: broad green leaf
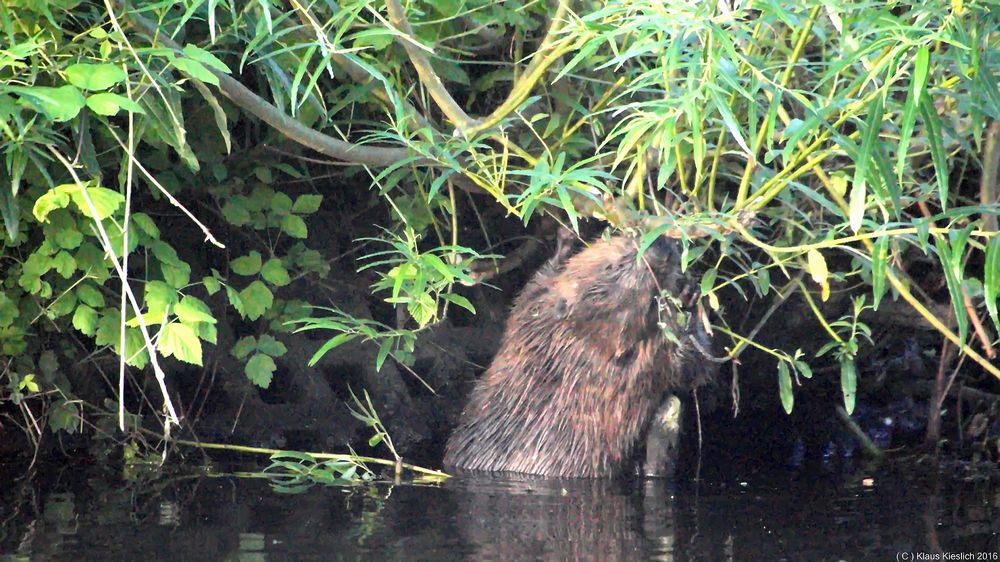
247,265
106,103
212,285
64,416
281,203
192,310
785,387
235,212
146,224
260,370
50,201
294,226
245,346
90,295
270,346
180,341
59,104
64,264
257,299
274,273
94,76
85,320
307,204
106,202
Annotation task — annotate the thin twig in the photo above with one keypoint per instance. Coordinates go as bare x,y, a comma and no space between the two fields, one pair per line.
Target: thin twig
171,417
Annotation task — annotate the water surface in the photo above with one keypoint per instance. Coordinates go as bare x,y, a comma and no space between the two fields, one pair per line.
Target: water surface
790,517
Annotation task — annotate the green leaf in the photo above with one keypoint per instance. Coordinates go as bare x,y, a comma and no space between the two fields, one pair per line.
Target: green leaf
848,383
64,416
260,370
195,70
858,191
274,273
270,346
248,264
880,256
331,343
281,203
460,301
89,294
938,157
180,341
384,349
94,76
294,226
307,204
235,212
146,225
192,310
8,311
918,82
244,347
804,369
85,320
50,201
105,201
64,264
785,387
257,299
234,299
208,59
817,269
991,279
950,258
59,104
106,103
212,285
68,238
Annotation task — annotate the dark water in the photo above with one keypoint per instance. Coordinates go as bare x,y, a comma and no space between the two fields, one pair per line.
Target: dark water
77,517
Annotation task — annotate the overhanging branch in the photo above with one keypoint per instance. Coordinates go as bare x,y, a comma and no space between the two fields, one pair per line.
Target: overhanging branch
377,156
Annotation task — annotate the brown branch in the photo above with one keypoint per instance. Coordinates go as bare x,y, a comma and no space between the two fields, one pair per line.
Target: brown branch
378,156
429,78
544,57
354,70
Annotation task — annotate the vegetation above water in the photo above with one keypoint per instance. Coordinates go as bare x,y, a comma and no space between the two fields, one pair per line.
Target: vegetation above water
179,180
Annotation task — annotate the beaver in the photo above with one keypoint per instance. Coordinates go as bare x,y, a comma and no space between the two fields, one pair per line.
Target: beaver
593,345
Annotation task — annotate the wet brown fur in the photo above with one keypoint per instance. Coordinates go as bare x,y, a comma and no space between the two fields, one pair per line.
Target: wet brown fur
582,367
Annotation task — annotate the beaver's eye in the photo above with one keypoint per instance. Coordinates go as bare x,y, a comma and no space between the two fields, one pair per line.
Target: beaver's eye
560,308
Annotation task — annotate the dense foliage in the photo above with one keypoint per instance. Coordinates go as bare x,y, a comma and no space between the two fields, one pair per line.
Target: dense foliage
810,147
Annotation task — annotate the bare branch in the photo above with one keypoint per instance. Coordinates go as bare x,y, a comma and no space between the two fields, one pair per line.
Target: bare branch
429,78
377,156
548,53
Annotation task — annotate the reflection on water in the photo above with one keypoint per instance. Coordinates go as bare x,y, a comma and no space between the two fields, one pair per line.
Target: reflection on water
491,518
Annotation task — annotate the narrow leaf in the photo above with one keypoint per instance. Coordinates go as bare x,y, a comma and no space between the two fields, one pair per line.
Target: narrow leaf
785,387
